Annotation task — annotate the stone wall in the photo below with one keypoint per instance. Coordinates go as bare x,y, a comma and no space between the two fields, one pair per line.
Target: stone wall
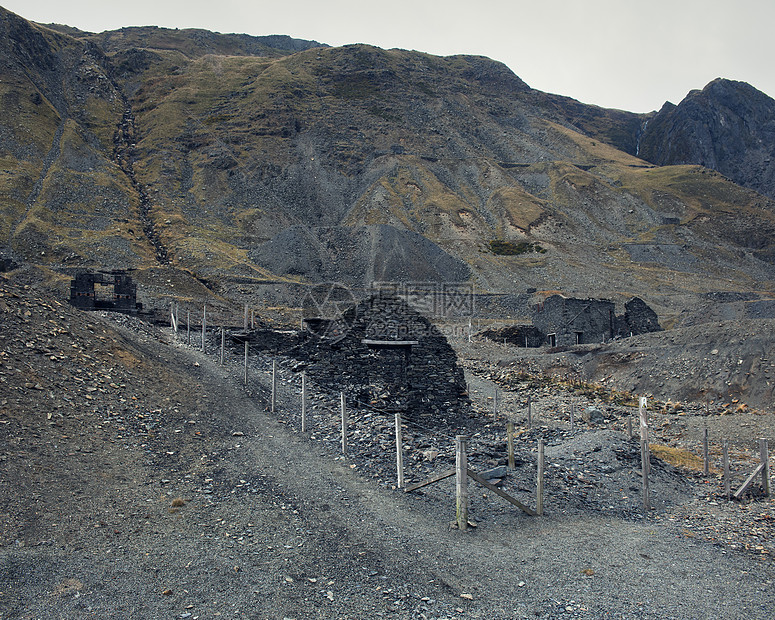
517,335
638,318
122,297
568,321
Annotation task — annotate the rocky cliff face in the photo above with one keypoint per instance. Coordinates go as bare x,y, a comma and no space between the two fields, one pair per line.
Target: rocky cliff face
727,126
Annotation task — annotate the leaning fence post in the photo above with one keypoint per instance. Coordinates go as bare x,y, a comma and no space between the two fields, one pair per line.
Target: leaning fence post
765,456
461,481
399,452
173,319
343,406
540,479
273,403
644,453
510,441
303,402
725,456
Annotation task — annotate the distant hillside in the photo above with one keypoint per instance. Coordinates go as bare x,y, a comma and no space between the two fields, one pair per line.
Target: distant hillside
229,156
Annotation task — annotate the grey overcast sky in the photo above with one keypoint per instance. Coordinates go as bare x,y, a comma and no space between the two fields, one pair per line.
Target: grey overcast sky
628,54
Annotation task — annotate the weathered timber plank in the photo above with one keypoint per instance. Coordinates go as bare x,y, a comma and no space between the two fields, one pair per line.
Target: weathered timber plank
447,474
502,494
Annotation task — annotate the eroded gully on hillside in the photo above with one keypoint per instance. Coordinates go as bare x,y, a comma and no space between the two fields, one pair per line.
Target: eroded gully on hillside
124,156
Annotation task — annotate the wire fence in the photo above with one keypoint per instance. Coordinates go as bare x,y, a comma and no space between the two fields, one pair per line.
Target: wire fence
268,378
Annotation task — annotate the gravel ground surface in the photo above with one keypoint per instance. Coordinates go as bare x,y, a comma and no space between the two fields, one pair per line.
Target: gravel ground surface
139,478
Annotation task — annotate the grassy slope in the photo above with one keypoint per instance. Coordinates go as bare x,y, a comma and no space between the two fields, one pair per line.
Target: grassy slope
58,150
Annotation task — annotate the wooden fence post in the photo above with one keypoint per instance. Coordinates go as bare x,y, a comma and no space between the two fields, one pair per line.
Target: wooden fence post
540,479
645,461
530,412
273,402
461,481
495,403
303,402
572,415
629,427
705,456
343,406
765,457
246,362
510,441
399,452
204,326
725,456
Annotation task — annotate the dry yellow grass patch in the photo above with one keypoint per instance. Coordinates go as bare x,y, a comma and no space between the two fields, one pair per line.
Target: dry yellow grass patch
677,457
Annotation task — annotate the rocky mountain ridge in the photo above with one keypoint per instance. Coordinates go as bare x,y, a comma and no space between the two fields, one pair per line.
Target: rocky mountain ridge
217,154
727,126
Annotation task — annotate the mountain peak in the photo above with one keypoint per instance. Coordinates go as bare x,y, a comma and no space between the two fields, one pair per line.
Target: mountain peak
728,126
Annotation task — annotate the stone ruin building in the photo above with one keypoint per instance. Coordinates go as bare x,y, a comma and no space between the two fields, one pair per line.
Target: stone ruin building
122,297
567,321
395,359
385,355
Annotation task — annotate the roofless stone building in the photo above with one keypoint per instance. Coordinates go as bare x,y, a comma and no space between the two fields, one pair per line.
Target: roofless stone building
391,358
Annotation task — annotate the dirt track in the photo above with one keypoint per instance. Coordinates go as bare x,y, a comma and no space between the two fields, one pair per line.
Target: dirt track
272,524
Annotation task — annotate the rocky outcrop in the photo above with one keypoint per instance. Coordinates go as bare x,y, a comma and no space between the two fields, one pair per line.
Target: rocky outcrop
727,126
